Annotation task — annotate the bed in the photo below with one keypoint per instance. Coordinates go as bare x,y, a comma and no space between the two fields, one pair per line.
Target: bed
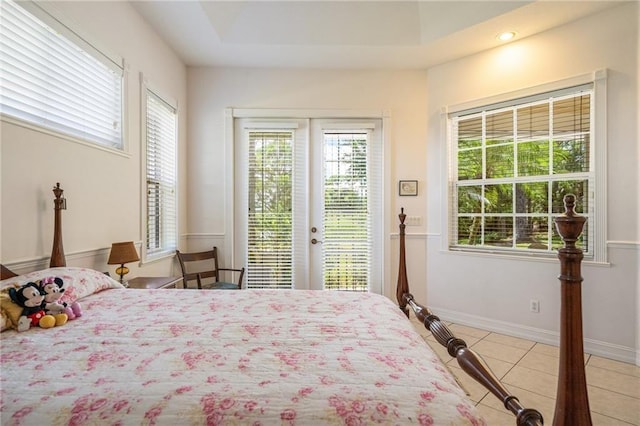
258,357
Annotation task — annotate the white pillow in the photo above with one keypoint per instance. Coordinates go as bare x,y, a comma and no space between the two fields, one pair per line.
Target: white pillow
78,282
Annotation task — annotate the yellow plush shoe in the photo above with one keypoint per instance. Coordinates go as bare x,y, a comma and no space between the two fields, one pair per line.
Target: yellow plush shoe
47,321
61,319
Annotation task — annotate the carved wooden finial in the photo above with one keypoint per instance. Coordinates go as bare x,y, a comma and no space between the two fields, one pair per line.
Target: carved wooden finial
572,400
57,191
402,216
570,224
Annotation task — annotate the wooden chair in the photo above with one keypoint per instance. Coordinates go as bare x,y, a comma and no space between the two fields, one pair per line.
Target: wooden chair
204,265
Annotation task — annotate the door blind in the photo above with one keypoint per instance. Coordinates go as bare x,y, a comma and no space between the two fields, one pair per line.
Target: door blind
270,215
346,254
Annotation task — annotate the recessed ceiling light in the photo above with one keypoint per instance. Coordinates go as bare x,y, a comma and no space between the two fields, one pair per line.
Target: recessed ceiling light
507,35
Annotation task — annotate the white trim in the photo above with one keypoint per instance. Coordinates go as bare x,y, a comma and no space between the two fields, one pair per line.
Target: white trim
599,128
46,12
98,257
532,257
306,113
126,111
143,166
229,187
410,236
528,91
275,124
146,86
445,188
594,347
203,235
624,245
350,127
598,167
386,200
64,136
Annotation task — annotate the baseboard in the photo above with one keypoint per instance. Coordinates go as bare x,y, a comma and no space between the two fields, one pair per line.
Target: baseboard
594,347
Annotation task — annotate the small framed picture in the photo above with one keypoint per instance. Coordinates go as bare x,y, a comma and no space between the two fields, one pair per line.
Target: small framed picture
408,187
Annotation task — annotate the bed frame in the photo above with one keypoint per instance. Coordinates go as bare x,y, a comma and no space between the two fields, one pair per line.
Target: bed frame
572,403
59,204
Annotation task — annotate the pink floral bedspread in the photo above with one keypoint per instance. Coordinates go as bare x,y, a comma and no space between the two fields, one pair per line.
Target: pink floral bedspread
189,357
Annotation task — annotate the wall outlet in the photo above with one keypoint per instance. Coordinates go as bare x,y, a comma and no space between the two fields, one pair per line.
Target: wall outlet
534,306
413,220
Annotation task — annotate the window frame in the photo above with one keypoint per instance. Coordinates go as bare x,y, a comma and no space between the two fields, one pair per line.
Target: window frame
148,255
53,19
597,184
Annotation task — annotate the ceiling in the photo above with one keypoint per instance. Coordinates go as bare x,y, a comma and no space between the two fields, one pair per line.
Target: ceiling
395,34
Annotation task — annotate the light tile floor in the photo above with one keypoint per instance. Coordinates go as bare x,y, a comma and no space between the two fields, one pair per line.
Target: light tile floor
529,371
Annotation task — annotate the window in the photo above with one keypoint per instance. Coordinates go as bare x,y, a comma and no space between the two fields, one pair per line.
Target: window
511,165
53,79
161,134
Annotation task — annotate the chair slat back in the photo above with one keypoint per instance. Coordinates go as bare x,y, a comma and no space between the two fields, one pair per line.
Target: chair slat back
198,266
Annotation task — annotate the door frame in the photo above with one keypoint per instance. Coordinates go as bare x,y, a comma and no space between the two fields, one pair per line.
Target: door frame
258,113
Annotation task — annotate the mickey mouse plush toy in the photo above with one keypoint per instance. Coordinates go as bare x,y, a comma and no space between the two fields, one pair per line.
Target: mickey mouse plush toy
30,298
52,289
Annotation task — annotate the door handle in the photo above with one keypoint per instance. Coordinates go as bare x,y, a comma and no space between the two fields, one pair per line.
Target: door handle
314,241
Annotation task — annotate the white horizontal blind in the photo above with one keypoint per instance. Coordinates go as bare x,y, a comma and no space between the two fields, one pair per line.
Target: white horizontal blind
511,166
50,81
270,254
347,245
161,126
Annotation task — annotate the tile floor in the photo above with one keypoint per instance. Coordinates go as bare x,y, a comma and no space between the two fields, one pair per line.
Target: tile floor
529,371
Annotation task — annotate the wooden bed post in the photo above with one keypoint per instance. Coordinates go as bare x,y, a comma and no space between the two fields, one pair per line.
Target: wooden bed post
402,287
467,358
572,401
57,254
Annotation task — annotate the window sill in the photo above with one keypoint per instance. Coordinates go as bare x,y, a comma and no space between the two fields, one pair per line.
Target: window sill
527,257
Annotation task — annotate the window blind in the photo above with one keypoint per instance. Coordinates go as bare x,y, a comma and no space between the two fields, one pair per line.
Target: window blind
270,213
48,80
511,166
161,126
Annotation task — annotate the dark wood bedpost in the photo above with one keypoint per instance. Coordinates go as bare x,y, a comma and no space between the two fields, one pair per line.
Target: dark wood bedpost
572,401
402,287
57,254
467,358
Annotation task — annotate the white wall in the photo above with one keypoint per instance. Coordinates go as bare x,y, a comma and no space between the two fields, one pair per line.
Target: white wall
102,188
496,291
211,91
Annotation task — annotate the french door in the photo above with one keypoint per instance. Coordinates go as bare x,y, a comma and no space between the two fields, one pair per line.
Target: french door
308,203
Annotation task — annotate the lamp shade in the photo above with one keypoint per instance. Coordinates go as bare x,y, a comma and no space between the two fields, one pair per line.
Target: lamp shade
122,253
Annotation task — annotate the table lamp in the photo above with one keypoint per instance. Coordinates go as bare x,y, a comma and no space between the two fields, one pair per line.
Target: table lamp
121,253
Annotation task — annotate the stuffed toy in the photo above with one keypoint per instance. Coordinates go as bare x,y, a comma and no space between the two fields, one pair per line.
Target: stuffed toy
52,289
10,311
31,300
